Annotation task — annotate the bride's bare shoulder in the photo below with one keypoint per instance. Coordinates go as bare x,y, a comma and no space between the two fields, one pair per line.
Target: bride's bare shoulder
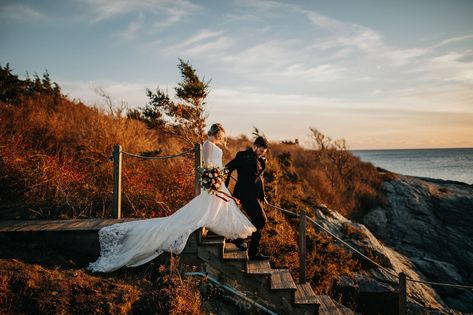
207,143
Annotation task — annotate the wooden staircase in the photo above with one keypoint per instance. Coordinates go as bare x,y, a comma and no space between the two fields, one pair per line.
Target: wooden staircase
275,287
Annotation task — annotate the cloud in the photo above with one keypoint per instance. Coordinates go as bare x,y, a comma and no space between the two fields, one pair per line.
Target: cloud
274,53
132,93
343,34
321,73
199,37
209,48
176,13
205,42
401,57
369,41
446,67
133,27
325,22
453,40
173,10
19,12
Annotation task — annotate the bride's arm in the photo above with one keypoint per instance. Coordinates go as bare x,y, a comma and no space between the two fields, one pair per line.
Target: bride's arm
206,153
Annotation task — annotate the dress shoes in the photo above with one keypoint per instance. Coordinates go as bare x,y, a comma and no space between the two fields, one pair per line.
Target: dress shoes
240,245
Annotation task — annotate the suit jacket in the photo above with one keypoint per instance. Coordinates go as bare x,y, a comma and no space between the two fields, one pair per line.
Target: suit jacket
250,183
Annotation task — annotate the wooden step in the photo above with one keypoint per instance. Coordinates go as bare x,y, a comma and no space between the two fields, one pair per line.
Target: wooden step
304,294
213,240
58,225
212,234
258,267
231,252
327,306
282,279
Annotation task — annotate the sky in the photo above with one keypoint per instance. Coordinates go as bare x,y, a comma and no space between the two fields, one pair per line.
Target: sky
379,74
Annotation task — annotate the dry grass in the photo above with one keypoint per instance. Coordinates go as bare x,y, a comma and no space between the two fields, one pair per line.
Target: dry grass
54,157
352,232
40,280
32,289
333,177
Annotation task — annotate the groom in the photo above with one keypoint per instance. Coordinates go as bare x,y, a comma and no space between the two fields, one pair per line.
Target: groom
249,188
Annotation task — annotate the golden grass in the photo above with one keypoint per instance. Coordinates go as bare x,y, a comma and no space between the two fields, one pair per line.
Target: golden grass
333,177
32,289
44,281
54,157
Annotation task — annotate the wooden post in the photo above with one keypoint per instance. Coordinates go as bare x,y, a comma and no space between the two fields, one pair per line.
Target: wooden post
402,294
197,166
302,248
197,184
117,182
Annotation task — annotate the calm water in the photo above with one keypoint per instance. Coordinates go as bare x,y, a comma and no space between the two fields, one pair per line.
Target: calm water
452,164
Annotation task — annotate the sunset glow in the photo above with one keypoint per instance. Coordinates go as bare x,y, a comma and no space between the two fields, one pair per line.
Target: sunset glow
380,74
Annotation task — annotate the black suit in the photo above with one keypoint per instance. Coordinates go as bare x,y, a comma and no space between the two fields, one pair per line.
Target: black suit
249,188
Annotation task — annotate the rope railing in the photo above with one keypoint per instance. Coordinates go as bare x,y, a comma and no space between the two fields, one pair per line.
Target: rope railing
453,285
336,237
402,278
117,157
159,157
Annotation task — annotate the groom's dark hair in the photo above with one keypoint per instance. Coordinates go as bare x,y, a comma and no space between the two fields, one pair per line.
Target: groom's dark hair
261,142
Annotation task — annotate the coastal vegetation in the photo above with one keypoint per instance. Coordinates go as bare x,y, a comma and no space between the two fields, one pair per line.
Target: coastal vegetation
54,164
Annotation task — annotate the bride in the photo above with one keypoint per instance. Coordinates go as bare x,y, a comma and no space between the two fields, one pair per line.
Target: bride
137,242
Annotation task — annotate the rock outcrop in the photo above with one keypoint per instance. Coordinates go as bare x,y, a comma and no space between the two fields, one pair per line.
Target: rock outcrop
425,229
430,222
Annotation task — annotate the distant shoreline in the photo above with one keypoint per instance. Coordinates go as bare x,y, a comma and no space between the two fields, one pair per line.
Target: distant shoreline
454,164
436,180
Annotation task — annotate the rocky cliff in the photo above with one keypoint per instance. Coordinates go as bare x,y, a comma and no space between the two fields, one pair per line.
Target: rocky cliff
424,229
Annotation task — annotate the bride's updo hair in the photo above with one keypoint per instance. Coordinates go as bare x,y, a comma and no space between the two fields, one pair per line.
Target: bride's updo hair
215,129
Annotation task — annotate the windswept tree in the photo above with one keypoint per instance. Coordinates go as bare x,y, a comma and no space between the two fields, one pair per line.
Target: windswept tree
184,117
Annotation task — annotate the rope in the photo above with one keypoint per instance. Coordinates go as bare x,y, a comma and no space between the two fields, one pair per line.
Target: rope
461,286
155,157
336,237
369,259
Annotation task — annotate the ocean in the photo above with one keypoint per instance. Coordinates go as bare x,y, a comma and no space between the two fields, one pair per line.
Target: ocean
450,164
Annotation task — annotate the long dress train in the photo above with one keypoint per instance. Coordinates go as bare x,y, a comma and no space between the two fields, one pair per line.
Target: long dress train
137,242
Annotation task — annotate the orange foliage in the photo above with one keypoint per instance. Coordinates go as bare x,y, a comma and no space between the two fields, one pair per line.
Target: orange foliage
29,288
54,158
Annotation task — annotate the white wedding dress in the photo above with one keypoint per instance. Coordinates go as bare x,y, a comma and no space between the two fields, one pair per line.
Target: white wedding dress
137,242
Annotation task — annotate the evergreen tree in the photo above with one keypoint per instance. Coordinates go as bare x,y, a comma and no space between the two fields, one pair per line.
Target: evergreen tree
12,88
183,118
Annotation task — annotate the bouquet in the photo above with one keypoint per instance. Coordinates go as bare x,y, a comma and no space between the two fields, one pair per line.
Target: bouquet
212,179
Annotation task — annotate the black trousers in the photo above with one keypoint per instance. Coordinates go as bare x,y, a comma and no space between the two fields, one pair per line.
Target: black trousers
257,216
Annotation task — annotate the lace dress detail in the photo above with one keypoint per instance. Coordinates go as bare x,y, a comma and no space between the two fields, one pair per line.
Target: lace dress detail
137,242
